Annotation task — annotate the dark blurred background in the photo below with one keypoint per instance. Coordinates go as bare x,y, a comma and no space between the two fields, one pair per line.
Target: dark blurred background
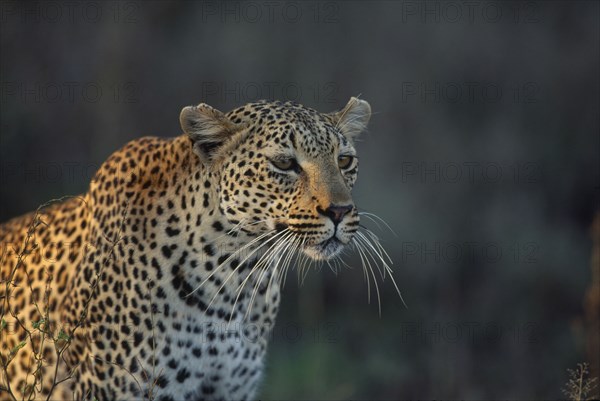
482,156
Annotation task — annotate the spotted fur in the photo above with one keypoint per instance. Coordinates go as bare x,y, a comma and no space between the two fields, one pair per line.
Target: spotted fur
143,276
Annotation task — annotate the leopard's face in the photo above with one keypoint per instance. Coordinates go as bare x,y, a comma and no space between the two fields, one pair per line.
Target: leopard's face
288,172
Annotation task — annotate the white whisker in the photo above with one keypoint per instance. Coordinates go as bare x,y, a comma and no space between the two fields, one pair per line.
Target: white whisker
372,217
370,267
281,265
233,255
370,251
364,266
240,264
275,253
384,264
263,261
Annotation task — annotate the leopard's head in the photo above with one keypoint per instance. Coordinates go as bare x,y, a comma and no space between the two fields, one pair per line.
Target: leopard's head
285,171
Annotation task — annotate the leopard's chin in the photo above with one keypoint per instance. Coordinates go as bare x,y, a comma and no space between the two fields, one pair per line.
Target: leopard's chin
325,250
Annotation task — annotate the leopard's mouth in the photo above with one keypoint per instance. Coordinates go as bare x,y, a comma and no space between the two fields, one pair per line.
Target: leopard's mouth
325,250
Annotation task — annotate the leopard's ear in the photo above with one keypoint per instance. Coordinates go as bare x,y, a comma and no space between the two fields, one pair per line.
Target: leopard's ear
208,128
353,118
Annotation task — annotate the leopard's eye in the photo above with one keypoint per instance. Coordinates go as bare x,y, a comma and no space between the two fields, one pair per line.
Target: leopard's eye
345,161
285,164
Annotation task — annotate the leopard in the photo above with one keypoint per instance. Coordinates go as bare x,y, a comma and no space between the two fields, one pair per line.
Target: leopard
163,280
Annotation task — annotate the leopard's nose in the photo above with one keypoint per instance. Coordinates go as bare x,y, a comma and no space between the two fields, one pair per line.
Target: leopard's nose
336,212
